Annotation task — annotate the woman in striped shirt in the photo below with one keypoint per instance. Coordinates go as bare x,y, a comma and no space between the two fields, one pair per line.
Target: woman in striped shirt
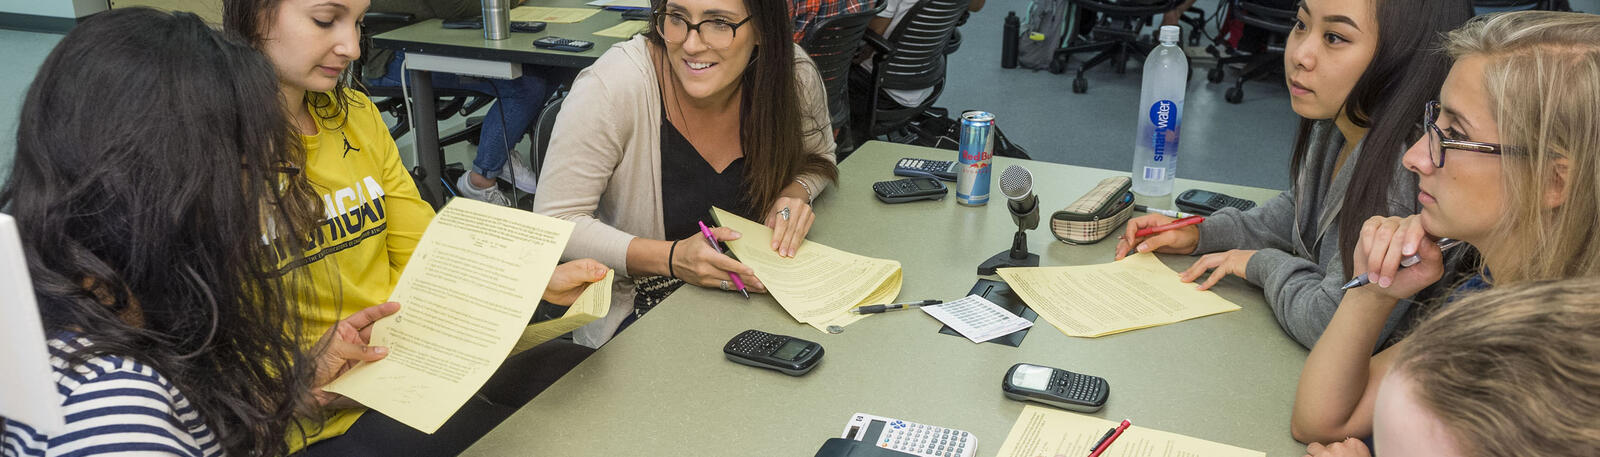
150,158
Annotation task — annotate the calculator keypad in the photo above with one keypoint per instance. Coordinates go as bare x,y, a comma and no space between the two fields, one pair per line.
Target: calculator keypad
755,343
926,440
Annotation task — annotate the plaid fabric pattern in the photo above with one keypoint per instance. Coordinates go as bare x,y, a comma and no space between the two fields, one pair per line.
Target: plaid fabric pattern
1096,214
811,13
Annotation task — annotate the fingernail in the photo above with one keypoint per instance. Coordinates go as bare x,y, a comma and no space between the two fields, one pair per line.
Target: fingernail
1384,282
1144,247
380,350
1411,248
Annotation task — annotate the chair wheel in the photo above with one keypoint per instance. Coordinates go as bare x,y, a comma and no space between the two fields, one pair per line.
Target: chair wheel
1080,85
1215,75
1234,95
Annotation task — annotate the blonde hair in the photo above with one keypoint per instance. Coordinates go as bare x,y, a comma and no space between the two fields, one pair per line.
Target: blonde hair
1543,78
1512,371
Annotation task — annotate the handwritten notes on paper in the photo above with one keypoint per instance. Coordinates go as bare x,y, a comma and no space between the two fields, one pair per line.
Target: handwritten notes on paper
552,15
1097,300
1049,433
820,284
465,299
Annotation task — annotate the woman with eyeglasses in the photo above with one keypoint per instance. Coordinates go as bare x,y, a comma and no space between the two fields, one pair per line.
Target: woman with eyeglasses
1357,73
1509,163
713,107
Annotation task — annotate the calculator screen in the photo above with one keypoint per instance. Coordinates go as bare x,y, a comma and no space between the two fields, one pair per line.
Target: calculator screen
789,350
924,184
1031,377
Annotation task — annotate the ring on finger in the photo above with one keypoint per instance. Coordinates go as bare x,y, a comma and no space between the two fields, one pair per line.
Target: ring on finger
784,213
723,284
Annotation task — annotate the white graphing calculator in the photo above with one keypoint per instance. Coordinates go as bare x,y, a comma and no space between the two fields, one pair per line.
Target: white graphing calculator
910,437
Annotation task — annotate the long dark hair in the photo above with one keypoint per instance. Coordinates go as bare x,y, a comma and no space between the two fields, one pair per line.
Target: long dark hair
772,130
142,198
248,19
1406,71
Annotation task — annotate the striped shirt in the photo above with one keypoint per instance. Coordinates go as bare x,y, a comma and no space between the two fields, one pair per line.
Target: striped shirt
113,406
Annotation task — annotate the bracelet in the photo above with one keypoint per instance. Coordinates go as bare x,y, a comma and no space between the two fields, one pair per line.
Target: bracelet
670,253
807,187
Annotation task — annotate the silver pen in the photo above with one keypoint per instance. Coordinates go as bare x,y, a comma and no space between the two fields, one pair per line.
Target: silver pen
1163,212
1444,245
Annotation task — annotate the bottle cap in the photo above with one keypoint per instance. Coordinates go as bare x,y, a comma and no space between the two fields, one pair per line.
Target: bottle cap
1169,34
1036,36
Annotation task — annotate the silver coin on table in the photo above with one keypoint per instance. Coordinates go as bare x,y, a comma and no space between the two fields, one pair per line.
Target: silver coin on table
835,329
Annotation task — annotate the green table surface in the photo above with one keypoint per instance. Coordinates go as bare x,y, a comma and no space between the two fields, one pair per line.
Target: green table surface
664,388
429,37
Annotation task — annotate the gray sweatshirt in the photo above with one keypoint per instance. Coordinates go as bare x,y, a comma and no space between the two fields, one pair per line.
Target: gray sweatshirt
1295,235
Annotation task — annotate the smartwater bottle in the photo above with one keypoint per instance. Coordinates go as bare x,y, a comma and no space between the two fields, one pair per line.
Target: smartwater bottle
1155,149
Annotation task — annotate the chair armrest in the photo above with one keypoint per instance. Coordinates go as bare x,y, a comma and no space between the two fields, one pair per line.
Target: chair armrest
878,43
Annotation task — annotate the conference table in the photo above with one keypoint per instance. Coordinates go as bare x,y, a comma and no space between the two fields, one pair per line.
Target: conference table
430,38
664,388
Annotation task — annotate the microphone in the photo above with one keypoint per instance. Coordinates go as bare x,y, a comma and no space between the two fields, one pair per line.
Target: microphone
1017,184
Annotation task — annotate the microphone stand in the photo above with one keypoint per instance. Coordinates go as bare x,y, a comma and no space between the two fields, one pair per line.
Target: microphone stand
1017,256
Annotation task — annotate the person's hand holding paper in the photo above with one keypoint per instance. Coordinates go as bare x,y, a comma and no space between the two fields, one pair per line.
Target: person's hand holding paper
571,279
342,347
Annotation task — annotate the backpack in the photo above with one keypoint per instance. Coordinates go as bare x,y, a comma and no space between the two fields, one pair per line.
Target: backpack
1046,18
935,129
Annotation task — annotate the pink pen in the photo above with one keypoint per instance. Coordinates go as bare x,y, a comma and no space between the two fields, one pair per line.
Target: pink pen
713,239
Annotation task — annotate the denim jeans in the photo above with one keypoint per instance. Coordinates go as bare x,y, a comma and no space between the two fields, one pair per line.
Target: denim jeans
517,105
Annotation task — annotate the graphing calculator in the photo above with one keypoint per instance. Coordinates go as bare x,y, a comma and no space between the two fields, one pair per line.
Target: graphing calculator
1204,202
1056,387
910,437
909,189
921,168
562,44
790,355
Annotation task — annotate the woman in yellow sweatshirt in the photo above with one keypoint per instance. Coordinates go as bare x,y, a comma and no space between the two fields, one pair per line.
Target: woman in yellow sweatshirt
374,219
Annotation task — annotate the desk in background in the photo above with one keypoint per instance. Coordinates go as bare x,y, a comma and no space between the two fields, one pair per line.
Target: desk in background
430,38
663,387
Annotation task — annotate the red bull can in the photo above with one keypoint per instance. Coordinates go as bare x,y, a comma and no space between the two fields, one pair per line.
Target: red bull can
977,151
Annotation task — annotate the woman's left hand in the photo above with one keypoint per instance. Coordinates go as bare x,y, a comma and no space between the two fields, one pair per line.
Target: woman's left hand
1224,263
1350,447
790,219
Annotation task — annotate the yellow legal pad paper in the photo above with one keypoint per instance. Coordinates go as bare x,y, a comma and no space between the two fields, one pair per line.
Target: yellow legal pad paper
1045,432
627,29
465,299
820,284
592,305
1097,300
551,14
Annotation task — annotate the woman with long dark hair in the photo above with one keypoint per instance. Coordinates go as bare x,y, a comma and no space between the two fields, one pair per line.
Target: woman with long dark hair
1358,74
141,198
713,107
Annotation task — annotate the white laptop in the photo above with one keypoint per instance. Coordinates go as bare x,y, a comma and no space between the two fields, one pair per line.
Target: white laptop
27,387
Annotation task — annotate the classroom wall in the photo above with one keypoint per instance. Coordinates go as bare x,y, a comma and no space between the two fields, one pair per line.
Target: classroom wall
54,8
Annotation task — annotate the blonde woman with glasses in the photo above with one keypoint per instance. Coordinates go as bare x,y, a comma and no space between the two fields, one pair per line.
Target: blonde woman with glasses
1507,163
714,106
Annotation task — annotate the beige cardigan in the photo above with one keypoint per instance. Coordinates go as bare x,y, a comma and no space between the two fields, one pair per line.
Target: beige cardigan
603,169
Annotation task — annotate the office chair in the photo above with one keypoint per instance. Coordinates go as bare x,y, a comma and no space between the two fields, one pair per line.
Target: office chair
1119,34
391,100
833,47
1265,15
543,128
911,58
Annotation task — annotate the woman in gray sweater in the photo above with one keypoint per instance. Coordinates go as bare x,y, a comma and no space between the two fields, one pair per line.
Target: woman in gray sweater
1358,73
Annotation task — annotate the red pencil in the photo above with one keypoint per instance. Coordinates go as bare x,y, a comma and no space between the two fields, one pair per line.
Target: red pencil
1187,221
1120,428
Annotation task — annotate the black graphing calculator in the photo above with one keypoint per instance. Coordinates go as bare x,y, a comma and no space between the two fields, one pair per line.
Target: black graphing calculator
921,168
909,189
562,44
1056,387
1206,202
790,355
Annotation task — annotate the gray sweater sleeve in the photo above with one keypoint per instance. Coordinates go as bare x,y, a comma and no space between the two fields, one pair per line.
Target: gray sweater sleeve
1268,226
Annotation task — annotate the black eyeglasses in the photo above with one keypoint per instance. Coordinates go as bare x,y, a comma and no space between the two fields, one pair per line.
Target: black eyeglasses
1437,142
717,33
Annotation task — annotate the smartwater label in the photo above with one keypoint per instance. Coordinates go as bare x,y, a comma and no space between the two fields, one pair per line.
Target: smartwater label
1165,116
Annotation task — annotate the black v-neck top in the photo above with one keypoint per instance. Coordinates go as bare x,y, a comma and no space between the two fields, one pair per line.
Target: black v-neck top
690,186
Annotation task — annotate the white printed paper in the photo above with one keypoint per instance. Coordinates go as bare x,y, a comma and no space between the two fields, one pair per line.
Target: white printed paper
977,319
